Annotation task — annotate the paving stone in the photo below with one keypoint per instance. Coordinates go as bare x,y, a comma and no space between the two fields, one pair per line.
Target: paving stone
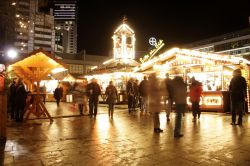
128,139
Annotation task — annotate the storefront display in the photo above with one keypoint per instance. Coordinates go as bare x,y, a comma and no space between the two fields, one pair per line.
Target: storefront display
214,71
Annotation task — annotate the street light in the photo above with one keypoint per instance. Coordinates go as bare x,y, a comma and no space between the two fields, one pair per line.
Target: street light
12,54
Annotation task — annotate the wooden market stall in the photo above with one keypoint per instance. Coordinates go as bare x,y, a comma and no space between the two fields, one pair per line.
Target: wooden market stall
33,68
214,71
120,68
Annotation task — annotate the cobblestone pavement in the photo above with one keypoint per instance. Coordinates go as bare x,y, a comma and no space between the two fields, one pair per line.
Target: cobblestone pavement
128,139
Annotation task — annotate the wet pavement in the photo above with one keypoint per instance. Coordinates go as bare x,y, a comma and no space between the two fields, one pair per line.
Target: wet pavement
128,139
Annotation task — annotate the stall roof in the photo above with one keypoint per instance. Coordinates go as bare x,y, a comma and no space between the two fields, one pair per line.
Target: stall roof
37,65
184,57
114,65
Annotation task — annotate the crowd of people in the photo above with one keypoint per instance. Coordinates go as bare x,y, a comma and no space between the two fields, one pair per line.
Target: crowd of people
151,92
148,95
17,99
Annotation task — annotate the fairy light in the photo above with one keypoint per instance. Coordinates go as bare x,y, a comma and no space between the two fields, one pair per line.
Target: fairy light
210,58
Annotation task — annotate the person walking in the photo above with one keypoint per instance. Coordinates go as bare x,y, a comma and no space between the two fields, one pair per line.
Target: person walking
238,89
179,97
12,94
43,91
58,94
79,92
154,94
168,98
94,90
131,94
143,92
195,95
85,96
112,96
136,102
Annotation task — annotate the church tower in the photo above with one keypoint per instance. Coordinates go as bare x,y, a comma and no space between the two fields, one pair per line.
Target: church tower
124,42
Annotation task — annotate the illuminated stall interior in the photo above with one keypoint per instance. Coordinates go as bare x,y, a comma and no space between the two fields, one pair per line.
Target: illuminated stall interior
214,71
40,66
120,68
35,67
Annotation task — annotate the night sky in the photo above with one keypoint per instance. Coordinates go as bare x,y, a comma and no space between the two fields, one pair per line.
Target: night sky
178,22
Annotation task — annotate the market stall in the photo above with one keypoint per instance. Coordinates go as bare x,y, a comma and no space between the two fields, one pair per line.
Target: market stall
33,68
120,68
214,71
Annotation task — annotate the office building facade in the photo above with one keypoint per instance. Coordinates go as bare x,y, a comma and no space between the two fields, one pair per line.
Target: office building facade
235,43
65,14
32,29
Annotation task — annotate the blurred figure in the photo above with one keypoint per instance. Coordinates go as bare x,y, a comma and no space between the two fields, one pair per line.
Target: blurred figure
168,98
238,92
112,96
79,94
58,94
179,97
154,94
85,95
43,91
195,95
20,100
131,94
94,90
12,95
143,91
137,96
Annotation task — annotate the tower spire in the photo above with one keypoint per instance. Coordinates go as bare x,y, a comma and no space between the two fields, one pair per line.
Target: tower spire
124,19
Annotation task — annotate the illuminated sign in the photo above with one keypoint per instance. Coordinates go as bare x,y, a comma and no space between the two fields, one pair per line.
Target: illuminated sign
149,56
152,41
213,100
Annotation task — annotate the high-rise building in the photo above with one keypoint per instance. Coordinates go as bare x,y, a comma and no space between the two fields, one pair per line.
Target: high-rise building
65,14
32,29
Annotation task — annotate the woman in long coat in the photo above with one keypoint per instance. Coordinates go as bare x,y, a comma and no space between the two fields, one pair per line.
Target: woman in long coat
155,95
112,96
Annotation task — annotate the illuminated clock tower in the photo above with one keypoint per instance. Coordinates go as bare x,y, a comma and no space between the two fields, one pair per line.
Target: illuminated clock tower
124,42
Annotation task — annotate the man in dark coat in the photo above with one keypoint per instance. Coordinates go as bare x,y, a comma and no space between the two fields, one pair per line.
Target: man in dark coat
12,94
237,88
58,94
20,100
94,90
179,97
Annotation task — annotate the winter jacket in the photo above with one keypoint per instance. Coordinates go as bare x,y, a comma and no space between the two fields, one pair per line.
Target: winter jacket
195,91
111,93
93,89
238,88
179,90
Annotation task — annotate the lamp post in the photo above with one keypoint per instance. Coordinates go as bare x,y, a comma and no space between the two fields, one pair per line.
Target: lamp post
10,54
